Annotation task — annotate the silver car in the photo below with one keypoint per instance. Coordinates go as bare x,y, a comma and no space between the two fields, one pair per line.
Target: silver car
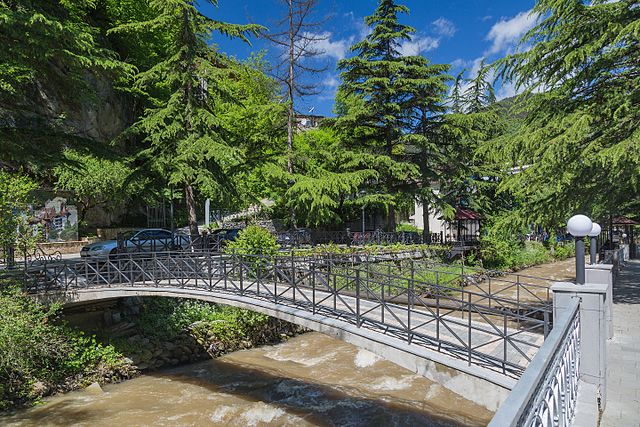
145,240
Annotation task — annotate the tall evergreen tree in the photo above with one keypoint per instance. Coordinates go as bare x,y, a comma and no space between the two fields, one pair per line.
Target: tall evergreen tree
392,87
186,140
579,147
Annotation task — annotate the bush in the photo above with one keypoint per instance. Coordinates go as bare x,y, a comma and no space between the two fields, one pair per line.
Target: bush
513,255
254,240
38,356
407,228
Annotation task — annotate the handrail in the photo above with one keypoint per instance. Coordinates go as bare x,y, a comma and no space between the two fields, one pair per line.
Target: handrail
528,404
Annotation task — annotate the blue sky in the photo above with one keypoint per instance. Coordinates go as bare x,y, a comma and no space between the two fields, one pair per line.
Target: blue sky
456,32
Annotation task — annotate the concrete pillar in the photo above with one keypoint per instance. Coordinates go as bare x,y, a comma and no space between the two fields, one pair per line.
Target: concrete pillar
593,331
603,273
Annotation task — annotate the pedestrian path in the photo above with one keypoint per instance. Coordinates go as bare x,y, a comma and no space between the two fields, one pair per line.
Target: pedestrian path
623,372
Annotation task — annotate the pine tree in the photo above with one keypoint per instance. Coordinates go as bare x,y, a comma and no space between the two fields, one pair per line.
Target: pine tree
579,147
479,93
392,88
186,140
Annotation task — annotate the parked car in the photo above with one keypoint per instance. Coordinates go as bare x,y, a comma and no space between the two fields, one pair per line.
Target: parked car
224,235
146,240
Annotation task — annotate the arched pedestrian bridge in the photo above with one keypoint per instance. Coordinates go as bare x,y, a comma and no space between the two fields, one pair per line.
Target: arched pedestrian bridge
418,317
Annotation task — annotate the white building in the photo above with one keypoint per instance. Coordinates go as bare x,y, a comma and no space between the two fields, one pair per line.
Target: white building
464,227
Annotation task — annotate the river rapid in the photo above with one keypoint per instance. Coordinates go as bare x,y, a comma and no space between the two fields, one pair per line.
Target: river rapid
310,380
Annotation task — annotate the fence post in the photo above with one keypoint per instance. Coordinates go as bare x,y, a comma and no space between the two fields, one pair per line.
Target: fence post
593,331
224,273
208,255
409,297
241,267
293,277
603,273
357,298
313,287
469,326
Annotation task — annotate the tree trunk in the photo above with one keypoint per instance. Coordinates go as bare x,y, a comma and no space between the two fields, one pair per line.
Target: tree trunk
391,220
426,231
191,209
291,119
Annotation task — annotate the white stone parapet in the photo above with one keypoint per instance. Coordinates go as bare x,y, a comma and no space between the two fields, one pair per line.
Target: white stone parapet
593,330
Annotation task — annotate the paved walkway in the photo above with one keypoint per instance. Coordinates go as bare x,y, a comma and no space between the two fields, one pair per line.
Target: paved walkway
623,375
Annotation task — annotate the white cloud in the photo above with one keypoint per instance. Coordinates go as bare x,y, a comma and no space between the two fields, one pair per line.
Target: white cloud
506,33
330,81
418,45
506,90
444,27
326,47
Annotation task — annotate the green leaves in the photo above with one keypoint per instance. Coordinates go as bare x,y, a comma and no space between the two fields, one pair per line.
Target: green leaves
579,140
15,193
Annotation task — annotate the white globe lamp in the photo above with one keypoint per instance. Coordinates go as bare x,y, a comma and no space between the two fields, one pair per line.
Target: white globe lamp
579,226
593,247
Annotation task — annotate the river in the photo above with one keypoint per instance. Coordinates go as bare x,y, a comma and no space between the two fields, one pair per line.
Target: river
310,380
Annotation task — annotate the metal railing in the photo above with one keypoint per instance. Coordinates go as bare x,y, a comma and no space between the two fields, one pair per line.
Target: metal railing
303,237
546,394
472,326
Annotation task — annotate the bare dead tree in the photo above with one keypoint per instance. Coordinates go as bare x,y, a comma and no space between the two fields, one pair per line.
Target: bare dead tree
297,36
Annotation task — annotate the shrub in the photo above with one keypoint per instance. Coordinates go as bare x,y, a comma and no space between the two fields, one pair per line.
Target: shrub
254,240
407,228
512,254
37,355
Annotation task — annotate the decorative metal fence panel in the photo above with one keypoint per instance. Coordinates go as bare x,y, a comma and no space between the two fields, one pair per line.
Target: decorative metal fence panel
546,394
422,308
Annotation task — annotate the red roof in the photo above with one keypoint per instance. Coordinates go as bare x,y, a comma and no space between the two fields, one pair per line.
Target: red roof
622,220
466,214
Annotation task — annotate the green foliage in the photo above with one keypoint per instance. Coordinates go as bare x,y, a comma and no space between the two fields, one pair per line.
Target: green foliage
53,59
185,140
512,254
35,35
409,228
37,355
326,176
165,318
95,182
14,195
384,97
578,146
254,240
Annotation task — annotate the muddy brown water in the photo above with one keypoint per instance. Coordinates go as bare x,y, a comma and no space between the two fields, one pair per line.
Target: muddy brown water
310,380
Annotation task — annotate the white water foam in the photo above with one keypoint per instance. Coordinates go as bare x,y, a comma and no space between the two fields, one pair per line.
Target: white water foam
365,358
299,358
220,414
433,391
261,413
392,383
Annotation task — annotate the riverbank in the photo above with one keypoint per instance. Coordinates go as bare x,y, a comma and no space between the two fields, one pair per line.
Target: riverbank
45,350
308,380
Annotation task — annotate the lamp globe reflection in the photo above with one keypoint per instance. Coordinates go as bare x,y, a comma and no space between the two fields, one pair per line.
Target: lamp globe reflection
579,225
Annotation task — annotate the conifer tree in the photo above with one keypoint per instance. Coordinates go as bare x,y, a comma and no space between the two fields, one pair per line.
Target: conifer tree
579,147
185,139
395,90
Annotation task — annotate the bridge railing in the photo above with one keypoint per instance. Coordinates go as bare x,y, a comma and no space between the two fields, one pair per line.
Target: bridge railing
547,392
475,327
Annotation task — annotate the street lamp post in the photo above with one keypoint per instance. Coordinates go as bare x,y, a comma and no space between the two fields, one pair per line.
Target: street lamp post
579,226
363,221
593,247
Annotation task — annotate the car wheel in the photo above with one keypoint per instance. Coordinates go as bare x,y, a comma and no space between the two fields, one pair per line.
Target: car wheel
113,254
